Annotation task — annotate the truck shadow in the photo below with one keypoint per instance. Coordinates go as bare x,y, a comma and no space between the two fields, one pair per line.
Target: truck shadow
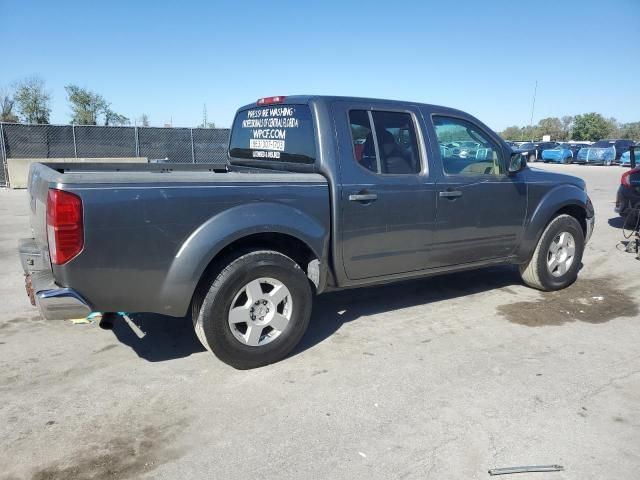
158,338
332,310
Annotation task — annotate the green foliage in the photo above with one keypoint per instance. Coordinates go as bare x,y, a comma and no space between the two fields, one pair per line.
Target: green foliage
113,118
567,125
589,126
592,126
553,127
33,100
85,105
630,131
6,107
512,133
207,125
144,120
519,134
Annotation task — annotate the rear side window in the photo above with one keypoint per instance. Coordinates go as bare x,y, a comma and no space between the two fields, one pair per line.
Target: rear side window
390,146
281,133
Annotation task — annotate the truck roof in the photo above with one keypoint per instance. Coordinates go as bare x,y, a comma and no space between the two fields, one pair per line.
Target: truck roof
302,99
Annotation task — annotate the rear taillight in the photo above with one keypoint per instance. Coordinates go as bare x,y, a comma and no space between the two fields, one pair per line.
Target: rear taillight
625,180
271,100
64,226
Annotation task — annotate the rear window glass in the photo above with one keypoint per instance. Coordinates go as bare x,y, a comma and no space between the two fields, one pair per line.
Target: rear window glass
281,133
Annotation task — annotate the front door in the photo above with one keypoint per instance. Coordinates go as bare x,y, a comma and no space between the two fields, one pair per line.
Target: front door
481,209
387,202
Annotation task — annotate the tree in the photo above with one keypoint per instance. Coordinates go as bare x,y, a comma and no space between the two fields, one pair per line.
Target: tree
630,131
85,105
567,125
511,133
207,125
6,107
551,126
33,100
113,118
144,120
530,132
592,126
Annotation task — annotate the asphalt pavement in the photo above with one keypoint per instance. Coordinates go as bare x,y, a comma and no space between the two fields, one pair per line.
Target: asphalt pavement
439,378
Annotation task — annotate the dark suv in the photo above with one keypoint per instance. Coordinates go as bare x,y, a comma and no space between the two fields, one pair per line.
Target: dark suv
628,196
532,151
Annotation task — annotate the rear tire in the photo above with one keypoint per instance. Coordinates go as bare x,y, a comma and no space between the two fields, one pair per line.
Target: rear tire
557,257
254,280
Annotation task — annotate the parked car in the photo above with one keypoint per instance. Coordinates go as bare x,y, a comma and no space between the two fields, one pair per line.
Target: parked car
604,152
625,158
628,196
465,149
299,212
562,153
532,151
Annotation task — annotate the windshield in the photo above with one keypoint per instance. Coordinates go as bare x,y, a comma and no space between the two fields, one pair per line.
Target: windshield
277,133
525,146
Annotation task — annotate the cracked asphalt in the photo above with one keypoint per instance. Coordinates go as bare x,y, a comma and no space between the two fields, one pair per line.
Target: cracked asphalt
438,378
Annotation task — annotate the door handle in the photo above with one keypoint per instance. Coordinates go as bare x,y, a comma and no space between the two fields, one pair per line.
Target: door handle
363,197
451,194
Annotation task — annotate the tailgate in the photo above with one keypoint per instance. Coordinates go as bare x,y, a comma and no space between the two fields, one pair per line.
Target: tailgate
38,190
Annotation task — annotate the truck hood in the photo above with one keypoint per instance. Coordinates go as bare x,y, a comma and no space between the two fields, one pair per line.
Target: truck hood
537,175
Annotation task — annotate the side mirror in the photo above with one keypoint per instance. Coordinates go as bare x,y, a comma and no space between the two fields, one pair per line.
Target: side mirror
517,163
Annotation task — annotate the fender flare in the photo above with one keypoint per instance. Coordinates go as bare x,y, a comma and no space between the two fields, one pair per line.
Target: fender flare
554,200
204,243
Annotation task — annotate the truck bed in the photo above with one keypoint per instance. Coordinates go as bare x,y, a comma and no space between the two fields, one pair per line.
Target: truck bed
149,229
114,173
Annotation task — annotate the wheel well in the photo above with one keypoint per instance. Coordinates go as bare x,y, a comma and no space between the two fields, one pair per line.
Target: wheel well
288,245
577,212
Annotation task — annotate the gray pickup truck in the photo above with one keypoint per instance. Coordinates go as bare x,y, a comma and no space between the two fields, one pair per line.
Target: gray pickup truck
320,193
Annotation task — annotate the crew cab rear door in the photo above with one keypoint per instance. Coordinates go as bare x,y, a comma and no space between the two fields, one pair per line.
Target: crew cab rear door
387,200
481,209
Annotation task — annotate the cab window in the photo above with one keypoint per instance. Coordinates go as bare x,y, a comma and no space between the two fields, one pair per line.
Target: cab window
465,149
388,145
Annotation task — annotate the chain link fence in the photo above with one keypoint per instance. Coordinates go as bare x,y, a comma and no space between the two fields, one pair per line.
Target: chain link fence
170,145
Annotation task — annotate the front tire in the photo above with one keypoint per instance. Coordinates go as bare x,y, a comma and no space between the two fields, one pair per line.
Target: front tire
556,260
532,158
255,311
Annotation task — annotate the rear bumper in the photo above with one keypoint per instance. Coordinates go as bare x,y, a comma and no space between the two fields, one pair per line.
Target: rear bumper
53,301
626,200
61,304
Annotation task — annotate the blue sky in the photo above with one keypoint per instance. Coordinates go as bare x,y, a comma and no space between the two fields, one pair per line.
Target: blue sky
167,59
